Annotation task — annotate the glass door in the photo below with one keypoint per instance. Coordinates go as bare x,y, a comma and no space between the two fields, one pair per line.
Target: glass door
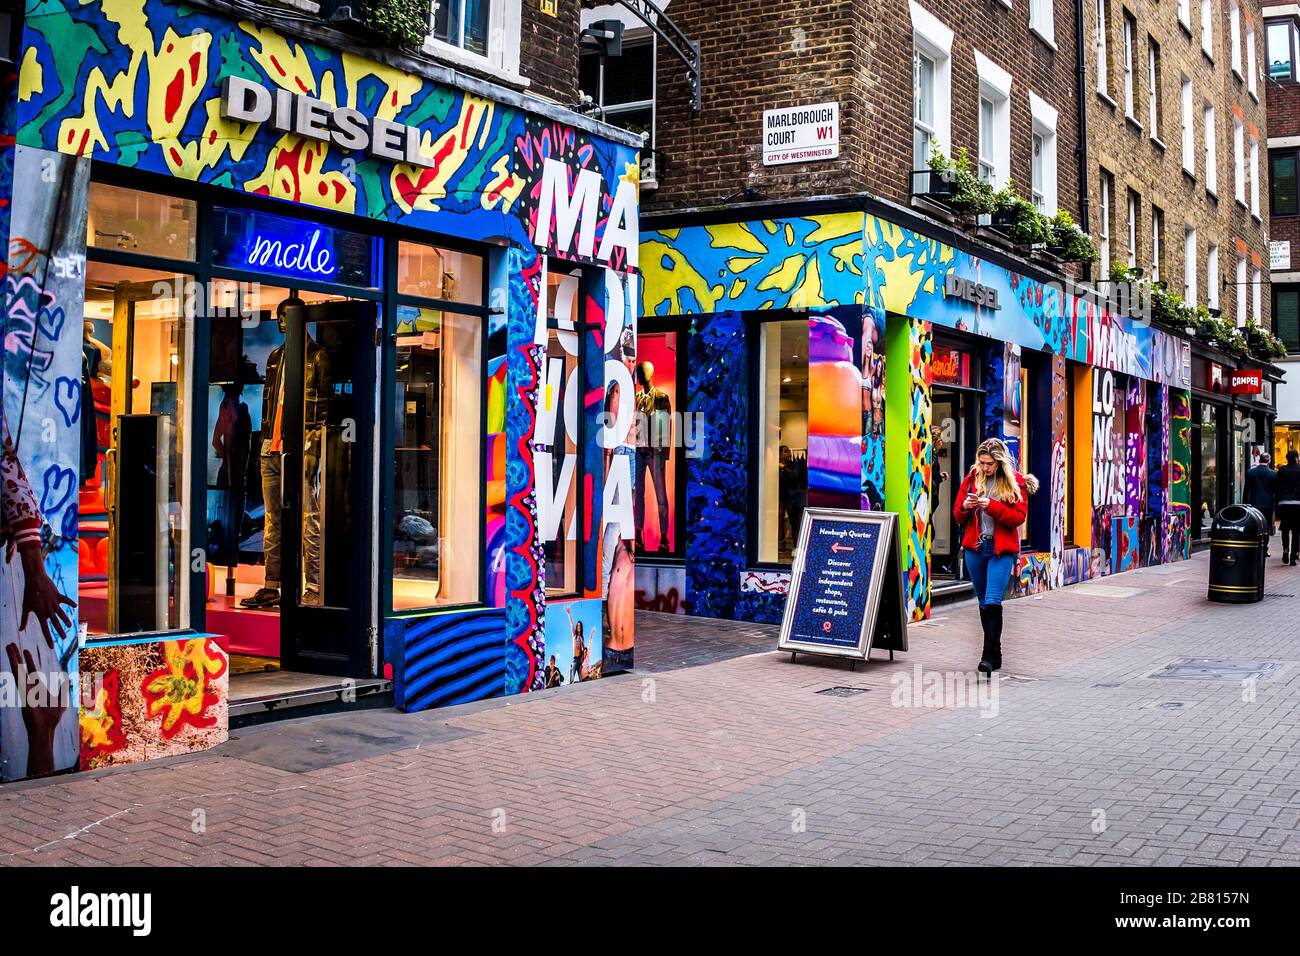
326,507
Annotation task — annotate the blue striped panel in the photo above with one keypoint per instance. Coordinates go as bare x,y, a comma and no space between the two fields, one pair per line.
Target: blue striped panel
452,659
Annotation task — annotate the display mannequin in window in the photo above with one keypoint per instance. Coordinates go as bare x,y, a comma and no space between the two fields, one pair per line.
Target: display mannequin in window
316,391
654,412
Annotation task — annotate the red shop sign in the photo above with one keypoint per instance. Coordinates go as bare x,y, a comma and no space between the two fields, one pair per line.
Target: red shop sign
949,366
1247,381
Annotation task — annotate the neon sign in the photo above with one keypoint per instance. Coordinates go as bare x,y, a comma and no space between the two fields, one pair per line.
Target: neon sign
303,256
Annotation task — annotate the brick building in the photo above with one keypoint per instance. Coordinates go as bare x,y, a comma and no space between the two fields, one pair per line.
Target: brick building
1282,29
848,326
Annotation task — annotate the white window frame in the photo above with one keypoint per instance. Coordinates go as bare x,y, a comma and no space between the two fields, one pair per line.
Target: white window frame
1043,119
502,59
1153,88
1130,81
932,38
1189,265
1211,150
1239,160
1157,228
995,86
1212,276
1234,36
1252,171
1103,229
1207,27
1041,21
1103,48
1188,128
1185,14
1252,63
1133,203
1241,291
1256,284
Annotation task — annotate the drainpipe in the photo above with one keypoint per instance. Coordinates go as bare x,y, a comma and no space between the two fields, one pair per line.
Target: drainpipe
1081,150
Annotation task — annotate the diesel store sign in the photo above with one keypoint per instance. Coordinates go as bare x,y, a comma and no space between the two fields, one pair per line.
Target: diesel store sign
954,286
248,102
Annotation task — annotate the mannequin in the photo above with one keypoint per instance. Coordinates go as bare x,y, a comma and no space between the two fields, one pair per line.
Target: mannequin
316,390
654,444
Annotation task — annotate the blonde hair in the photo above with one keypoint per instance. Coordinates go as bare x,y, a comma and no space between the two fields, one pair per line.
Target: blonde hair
1003,484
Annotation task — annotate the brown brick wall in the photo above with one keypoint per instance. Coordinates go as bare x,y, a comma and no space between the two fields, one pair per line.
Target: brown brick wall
548,49
788,53
1155,173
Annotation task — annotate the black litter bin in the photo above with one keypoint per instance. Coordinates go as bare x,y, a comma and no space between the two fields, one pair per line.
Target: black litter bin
1237,545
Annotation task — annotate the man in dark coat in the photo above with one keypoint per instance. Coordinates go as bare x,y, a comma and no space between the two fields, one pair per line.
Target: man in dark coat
1261,490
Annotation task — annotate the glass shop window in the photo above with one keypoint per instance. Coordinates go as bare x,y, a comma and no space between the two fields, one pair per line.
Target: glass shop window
431,272
782,437
658,440
438,484
133,530
558,459
127,220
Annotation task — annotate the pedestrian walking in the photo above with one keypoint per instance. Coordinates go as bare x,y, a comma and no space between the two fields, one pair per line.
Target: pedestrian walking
1288,506
991,504
1261,492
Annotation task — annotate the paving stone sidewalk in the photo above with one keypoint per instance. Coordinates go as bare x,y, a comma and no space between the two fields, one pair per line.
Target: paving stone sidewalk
703,757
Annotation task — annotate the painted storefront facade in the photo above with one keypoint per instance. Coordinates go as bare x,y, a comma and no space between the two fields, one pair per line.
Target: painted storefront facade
437,243
865,358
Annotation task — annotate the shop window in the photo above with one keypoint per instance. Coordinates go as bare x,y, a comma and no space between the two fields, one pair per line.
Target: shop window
1286,315
560,468
623,90
782,440
431,272
128,220
134,483
1209,468
438,484
659,441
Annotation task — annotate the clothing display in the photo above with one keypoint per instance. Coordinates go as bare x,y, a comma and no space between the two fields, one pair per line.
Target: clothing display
316,395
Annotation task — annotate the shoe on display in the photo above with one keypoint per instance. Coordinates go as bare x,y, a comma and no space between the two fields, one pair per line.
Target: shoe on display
265,597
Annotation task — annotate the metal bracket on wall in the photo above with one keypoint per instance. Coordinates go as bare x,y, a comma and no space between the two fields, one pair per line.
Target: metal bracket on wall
684,48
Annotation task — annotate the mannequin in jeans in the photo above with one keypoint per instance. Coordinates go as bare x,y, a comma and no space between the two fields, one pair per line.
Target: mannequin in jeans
316,387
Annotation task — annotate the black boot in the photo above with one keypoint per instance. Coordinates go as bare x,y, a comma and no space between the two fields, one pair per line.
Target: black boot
986,659
994,640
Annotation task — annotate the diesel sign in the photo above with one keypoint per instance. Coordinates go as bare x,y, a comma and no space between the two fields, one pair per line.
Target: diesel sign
248,102
954,286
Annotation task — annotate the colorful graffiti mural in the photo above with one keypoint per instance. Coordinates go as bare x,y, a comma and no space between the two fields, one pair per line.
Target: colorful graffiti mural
152,699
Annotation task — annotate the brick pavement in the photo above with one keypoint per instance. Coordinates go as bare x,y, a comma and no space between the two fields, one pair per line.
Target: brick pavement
741,761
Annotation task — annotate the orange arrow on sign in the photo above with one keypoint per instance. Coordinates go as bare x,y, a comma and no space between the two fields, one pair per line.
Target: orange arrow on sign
837,547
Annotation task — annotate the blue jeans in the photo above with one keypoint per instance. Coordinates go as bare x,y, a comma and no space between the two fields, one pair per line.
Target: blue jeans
989,572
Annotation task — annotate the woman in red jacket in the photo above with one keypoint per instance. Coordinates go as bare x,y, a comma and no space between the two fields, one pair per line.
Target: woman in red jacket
990,506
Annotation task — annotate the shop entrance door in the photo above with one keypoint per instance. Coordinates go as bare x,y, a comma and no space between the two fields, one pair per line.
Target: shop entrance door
327,553
953,440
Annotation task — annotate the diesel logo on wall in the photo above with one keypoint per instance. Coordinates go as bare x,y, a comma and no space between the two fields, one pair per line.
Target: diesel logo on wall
248,102
954,286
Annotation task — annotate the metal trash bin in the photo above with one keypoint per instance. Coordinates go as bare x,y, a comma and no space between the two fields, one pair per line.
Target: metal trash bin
1237,546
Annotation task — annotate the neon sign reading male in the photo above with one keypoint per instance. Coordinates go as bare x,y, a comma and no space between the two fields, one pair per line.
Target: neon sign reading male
303,258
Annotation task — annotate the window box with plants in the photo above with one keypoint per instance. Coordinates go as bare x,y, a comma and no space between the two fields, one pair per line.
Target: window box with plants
952,184
1262,343
403,24
1067,242
1016,219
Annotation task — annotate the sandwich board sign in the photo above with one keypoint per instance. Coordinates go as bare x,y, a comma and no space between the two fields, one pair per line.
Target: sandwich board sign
846,586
